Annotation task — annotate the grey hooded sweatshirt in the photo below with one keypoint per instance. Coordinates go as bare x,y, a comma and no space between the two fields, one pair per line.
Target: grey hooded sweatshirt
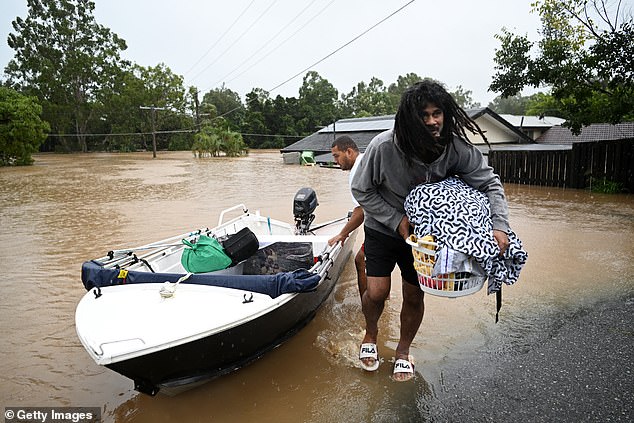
384,179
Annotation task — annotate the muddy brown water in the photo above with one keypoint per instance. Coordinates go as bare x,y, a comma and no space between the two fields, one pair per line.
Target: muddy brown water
69,208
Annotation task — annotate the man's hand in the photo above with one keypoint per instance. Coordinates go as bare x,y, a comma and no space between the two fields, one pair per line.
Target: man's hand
403,227
337,238
502,239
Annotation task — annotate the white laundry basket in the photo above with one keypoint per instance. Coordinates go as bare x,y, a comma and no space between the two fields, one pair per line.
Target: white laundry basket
448,285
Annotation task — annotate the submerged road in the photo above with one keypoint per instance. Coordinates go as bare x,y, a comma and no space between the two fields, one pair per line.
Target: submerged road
577,368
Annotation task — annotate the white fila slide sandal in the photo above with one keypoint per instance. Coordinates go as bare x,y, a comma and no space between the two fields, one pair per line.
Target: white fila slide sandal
370,351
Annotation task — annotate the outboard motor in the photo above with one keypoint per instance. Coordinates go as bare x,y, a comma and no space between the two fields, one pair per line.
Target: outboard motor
304,204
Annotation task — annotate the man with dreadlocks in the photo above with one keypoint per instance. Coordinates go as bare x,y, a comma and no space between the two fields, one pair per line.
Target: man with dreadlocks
428,144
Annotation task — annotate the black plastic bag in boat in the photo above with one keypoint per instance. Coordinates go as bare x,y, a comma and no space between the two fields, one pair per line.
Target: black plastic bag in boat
93,274
240,246
280,257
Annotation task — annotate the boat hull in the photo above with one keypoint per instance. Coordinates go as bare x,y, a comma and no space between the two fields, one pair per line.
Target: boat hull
224,352
170,336
200,360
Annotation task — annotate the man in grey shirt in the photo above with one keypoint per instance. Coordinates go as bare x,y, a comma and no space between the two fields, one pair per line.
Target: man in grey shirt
428,144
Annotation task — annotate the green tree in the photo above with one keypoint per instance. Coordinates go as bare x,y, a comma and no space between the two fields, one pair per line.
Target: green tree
397,88
543,104
585,55
120,111
231,143
214,138
227,104
254,123
371,99
65,58
121,114
533,105
206,141
22,131
464,98
317,103
513,105
165,91
283,118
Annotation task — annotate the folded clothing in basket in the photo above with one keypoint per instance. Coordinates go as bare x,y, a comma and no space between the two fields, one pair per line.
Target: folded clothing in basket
451,261
459,218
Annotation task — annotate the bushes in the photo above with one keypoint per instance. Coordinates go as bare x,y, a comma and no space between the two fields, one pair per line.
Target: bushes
211,141
605,186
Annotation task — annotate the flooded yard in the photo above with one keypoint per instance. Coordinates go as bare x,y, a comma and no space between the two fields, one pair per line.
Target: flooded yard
70,208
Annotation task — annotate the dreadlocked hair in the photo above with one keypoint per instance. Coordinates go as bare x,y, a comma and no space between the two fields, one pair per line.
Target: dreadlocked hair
414,138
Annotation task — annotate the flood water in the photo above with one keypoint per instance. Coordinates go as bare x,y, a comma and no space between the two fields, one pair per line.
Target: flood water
70,208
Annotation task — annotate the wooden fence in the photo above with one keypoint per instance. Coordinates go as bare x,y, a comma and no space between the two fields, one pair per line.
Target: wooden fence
612,160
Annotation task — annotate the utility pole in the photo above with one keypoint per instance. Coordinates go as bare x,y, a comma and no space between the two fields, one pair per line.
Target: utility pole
334,130
153,116
197,105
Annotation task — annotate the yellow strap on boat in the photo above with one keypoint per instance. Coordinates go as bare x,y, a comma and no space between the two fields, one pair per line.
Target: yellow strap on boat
123,273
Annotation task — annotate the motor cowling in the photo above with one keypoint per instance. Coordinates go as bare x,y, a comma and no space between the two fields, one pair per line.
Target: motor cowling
304,204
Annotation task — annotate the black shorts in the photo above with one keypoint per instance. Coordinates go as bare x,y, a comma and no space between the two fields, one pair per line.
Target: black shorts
383,252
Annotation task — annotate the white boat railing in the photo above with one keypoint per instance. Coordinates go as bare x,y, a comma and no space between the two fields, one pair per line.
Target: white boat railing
127,256
238,206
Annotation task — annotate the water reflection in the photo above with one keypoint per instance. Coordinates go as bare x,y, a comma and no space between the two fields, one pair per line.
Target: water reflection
68,208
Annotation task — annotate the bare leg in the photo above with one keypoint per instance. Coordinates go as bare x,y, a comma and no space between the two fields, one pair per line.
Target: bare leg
362,280
373,302
411,317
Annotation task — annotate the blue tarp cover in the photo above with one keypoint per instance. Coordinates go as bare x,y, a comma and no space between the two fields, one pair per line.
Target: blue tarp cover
93,274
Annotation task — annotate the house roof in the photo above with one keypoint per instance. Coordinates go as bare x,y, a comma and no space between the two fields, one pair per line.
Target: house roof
373,123
322,141
363,130
590,133
488,114
527,122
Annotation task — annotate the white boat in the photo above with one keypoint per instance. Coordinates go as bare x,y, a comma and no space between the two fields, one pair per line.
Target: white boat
148,319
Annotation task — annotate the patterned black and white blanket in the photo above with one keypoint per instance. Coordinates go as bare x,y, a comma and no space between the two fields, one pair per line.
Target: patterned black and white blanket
458,216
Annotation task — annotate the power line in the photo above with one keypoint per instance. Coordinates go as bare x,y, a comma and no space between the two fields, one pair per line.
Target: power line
328,55
121,134
221,37
177,131
259,50
277,86
343,46
234,43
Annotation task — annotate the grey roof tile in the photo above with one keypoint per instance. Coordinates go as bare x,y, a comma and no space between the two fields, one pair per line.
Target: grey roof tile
590,133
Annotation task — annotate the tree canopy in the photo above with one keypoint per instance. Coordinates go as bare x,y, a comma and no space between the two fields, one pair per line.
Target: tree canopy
94,100
65,58
533,105
21,129
585,57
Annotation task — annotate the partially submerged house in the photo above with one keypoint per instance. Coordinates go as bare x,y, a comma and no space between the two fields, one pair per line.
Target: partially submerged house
524,149
362,130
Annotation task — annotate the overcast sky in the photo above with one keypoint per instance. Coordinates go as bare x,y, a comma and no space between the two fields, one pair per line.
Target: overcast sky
263,43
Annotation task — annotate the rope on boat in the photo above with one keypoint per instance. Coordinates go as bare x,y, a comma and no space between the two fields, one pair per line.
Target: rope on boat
169,289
